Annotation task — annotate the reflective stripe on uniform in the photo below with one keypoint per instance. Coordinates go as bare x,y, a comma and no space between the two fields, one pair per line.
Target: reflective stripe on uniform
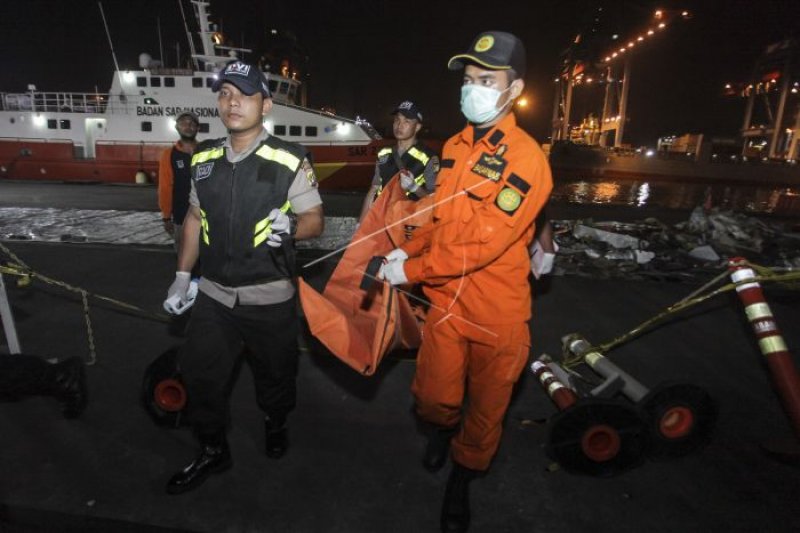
419,155
205,155
384,151
204,226
279,156
264,226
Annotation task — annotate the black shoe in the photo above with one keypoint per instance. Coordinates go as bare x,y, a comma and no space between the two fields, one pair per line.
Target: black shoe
455,508
277,437
437,448
69,386
212,460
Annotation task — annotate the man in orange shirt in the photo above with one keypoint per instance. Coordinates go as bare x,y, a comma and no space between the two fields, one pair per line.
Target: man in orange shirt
174,175
473,263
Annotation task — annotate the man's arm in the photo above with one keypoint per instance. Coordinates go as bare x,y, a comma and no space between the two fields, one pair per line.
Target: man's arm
310,223
487,234
190,247
429,173
165,183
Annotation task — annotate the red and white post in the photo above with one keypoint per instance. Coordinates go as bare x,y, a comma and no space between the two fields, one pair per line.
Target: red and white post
770,341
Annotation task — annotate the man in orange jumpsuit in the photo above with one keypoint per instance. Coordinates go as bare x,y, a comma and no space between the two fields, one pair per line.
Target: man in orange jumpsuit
473,262
174,176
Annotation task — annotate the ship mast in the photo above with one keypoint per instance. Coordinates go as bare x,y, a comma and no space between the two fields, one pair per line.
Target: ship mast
211,39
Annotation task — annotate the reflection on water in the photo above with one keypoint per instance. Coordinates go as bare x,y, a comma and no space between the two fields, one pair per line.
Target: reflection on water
679,195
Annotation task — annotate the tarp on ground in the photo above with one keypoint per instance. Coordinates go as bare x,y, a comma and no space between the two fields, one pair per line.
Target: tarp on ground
361,326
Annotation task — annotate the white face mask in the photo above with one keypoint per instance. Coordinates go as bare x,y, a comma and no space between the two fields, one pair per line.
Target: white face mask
479,103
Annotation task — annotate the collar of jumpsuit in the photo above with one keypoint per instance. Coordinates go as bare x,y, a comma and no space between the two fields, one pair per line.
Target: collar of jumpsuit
491,140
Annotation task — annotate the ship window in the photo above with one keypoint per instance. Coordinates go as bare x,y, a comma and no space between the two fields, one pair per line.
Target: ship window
169,81
311,131
141,81
197,82
147,126
295,131
283,88
155,81
52,123
150,101
209,82
203,127
280,130
273,86
66,124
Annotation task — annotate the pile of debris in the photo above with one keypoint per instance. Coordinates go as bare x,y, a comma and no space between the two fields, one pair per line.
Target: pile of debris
650,249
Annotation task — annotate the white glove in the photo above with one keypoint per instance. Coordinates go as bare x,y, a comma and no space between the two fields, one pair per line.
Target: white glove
541,261
393,272
178,294
281,225
396,254
407,182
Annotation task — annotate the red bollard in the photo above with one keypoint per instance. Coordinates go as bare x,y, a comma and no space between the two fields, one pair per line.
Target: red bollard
770,341
590,435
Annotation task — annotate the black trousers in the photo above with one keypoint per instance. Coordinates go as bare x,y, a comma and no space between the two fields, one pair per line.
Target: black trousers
216,338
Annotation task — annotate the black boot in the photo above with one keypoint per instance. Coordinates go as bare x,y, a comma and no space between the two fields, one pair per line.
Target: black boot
455,508
277,438
215,457
437,448
67,381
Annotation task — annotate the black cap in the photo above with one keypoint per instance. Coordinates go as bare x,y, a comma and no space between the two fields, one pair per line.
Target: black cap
189,114
494,50
408,109
246,77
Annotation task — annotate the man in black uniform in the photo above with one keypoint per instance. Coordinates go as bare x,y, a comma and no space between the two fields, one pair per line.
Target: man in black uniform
417,163
252,196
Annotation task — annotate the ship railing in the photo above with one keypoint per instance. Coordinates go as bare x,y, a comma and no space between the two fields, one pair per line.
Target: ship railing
54,102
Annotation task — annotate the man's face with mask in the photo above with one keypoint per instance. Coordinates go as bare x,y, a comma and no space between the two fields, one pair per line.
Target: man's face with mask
493,92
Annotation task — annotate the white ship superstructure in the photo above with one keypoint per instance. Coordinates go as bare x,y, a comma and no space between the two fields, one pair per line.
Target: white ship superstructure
116,135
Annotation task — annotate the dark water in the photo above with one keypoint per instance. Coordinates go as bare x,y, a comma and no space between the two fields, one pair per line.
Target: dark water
748,198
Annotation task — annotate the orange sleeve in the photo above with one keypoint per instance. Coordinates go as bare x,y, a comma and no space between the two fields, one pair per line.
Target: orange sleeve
165,180
420,240
491,229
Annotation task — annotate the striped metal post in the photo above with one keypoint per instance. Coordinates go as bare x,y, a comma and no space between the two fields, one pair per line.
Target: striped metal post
589,435
770,341
561,395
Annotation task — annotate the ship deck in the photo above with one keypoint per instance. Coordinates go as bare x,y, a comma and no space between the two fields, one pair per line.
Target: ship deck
354,461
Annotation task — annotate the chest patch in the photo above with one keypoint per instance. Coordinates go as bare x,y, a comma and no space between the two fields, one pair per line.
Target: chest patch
490,167
203,171
508,200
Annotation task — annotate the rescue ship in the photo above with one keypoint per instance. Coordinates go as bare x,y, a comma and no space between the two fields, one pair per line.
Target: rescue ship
118,136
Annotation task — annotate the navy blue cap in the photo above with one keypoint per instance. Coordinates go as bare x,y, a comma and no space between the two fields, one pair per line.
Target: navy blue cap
246,77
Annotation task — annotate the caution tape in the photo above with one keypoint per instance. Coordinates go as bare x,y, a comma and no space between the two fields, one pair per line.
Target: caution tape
25,274
764,274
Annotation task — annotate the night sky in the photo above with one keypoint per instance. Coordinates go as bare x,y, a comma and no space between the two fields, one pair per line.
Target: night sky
366,56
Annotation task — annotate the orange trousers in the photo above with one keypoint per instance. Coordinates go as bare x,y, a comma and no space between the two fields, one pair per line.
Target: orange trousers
465,375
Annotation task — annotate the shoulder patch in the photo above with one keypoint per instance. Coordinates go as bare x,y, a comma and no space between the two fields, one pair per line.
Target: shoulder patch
447,163
508,200
310,176
519,183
